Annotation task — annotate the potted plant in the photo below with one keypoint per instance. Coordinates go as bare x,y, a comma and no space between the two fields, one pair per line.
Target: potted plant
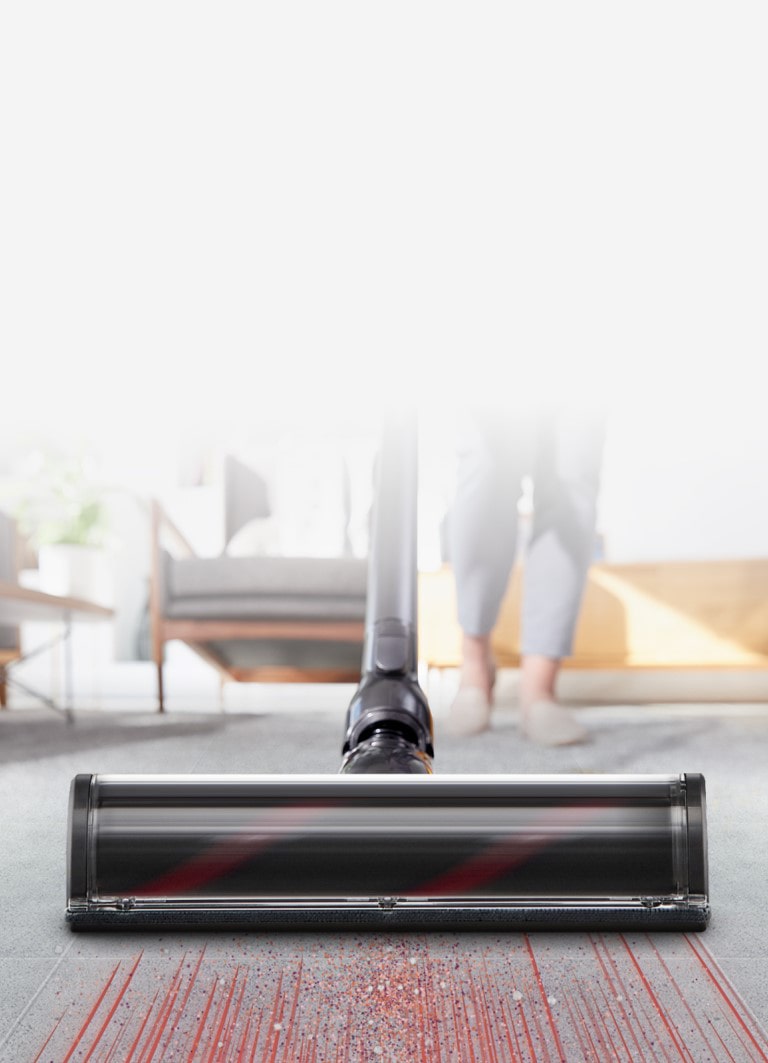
62,513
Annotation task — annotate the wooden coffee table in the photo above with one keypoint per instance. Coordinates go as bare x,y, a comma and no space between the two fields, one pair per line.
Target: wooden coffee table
18,604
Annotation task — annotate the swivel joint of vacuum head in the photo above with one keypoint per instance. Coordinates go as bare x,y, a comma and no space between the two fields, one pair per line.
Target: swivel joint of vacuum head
389,724
389,727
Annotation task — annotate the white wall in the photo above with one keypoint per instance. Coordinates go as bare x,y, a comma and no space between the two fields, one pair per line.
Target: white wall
685,481
202,206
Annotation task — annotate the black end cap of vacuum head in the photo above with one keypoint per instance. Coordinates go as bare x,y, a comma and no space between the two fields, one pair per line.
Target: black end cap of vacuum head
77,837
696,806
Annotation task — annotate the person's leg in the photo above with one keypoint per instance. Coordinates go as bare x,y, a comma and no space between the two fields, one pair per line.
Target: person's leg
566,486
491,458
538,677
478,669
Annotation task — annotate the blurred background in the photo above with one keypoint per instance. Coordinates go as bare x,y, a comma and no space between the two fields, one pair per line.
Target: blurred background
675,607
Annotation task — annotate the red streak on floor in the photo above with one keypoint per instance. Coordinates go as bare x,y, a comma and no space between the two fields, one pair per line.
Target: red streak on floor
602,1018
722,1042
683,999
113,1009
116,1044
272,1033
76,1043
140,1034
201,1027
233,1023
48,1039
246,1033
604,1010
593,1025
720,981
544,997
544,1055
467,1028
292,1015
457,1027
494,1005
164,1015
669,1026
484,1034
577,1022
623,993
185,999
748,1052
489,1013
256,1036
220,1020
422,1020
527,1032
509,1018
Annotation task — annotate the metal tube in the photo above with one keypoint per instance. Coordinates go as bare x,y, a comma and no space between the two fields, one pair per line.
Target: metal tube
392,580
389,724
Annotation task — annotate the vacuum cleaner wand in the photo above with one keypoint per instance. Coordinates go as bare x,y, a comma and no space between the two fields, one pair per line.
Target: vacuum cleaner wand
389,724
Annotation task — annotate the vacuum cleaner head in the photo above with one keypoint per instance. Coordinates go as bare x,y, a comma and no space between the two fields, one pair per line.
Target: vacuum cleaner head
388,852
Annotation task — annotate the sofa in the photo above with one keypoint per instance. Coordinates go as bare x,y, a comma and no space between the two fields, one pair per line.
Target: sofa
255,618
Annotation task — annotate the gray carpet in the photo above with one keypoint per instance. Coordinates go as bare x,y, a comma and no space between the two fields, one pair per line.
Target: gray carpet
46,970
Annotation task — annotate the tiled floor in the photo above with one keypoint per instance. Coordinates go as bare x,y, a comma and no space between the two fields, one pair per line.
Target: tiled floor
351,996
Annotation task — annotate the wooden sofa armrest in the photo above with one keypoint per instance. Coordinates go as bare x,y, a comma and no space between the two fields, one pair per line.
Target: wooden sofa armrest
164,531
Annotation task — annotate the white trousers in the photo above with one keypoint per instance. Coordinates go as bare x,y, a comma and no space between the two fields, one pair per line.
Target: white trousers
562,452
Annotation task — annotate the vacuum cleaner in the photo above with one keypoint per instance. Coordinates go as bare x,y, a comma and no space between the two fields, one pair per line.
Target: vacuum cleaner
387,844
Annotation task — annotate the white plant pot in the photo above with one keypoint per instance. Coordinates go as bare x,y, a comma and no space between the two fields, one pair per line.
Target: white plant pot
75,571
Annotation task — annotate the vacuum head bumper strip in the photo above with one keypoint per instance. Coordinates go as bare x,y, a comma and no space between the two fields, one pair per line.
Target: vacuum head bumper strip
496,852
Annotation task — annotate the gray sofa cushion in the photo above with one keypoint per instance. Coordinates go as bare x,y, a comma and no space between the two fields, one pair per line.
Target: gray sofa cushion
265,587
255,653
